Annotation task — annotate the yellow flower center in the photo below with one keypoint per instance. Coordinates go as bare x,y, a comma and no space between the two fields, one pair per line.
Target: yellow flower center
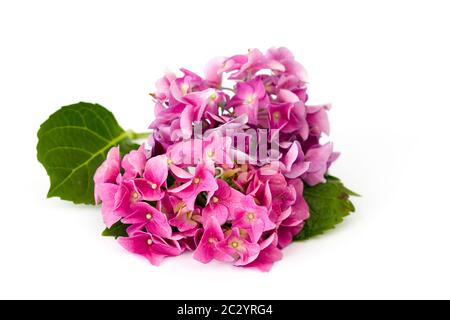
197,180
179,206
184,88
134,196
213,96
210,153
276,115
154,186
249,100
149,216
169,162
149,242
215,199
234,244
250,216
188,215
211,240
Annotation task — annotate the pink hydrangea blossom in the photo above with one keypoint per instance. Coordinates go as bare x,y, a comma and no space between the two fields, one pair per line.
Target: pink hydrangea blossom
237,248
193,188
154,177
144,216
152,247
202,181
223,203
207,249
252,218
250,97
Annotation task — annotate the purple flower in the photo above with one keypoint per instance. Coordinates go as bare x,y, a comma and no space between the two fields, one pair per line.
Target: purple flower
294,161
318,158
250,96
248,66
287,60
318,119
279,114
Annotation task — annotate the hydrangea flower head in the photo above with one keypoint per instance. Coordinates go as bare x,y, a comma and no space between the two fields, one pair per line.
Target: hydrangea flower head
223,173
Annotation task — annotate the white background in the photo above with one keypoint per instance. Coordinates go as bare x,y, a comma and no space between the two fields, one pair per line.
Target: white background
383,64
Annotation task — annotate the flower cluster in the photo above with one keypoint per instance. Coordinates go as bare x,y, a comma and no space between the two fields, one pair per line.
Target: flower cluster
205,182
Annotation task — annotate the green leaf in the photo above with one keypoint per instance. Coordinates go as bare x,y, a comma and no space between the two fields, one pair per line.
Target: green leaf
329,203
117,230
73,143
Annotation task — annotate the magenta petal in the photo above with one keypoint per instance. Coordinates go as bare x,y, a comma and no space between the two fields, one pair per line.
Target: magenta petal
182,188
244,90
266,259
286,234
219,212
318,119
180,174
148,190
108,171
137,244
166,248
213,74
151,247
107,193
238,249
126,196
186,219
203,181
251,254
318,158
294,161
154,221
288,96
292,155
186,120
134,229
212,234
156,170
253,218
134,163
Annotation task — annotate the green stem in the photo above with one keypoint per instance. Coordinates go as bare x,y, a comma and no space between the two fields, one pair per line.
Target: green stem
225,88
138,135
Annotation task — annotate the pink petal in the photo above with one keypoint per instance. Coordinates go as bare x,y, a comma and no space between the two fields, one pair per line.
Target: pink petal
147,191
213,234
134,163
219,212
156,170
186,120
107,192
212,71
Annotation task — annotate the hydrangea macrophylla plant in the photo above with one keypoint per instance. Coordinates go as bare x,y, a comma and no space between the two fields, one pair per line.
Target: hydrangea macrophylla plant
233,172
